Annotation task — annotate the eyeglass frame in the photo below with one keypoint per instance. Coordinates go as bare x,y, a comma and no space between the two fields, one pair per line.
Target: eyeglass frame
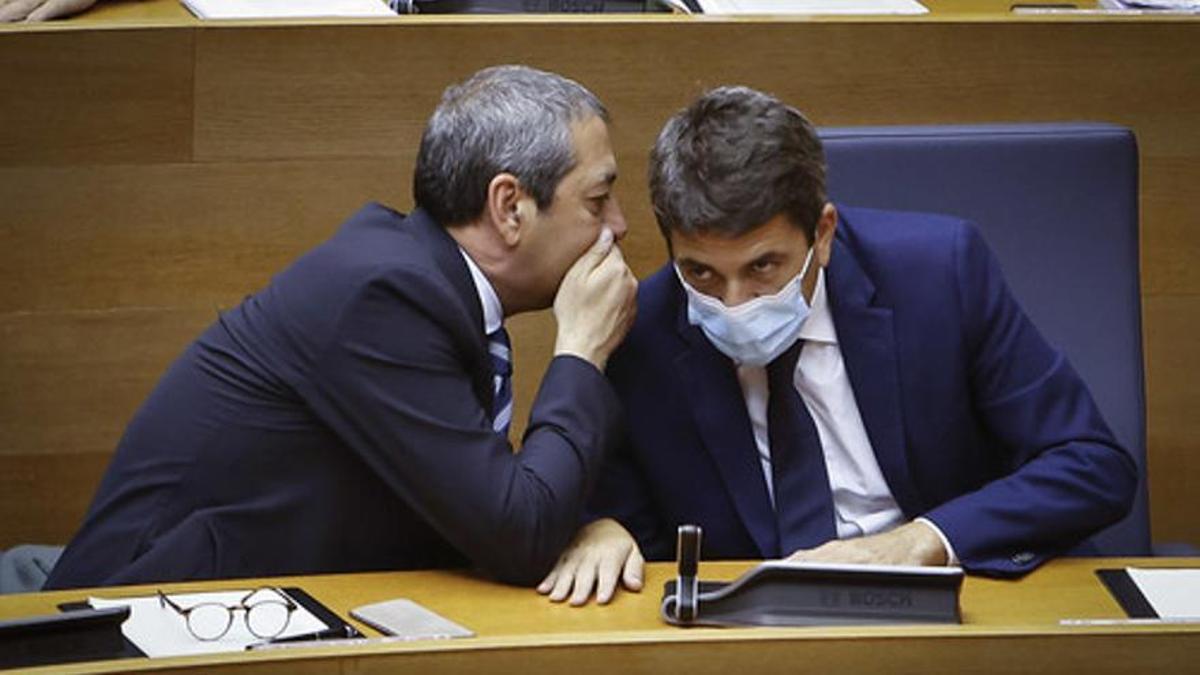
165,601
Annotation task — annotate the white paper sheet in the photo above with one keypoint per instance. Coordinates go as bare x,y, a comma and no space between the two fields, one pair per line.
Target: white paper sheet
286,9
1187,5
161,631
1173,593
813,7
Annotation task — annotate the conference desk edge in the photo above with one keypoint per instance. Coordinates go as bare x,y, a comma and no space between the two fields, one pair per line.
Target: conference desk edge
791,640
1164,642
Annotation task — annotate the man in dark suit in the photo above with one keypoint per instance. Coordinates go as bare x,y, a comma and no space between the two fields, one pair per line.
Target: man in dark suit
353,415
832,384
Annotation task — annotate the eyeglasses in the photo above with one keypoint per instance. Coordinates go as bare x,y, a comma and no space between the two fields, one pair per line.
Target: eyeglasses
267,612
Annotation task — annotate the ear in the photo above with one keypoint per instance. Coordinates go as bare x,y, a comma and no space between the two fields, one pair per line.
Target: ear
826,228
503,207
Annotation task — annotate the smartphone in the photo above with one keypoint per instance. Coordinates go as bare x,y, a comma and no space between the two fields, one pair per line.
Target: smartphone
405,618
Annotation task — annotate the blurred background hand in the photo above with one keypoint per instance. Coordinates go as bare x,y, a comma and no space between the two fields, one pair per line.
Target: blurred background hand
40,10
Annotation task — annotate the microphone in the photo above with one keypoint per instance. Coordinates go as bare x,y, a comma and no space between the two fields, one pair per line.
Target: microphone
687,552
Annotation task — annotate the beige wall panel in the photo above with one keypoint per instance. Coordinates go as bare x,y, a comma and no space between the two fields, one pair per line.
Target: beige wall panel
95,97
201,235
1172,350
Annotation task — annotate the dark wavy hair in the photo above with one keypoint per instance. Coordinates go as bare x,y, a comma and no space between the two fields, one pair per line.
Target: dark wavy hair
734,159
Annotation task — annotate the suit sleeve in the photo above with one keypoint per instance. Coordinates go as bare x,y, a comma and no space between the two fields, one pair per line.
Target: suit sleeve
622,490
1067,477
395,385
622,494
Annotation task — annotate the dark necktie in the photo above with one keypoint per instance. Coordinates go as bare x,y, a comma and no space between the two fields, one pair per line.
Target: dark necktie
502,401
803,503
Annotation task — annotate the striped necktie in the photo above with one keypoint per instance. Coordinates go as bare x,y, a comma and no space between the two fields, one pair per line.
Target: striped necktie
502,401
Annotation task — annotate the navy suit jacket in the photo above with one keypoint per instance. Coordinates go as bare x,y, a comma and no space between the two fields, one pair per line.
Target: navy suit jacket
339,420
978,424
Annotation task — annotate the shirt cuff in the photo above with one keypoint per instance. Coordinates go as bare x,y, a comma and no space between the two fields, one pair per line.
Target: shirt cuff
951,557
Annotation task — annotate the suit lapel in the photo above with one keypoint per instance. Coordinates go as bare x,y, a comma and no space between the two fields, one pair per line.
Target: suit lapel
719,410
447,258
868,344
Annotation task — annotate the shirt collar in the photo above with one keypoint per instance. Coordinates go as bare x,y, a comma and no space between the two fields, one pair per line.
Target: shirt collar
493,313
818,327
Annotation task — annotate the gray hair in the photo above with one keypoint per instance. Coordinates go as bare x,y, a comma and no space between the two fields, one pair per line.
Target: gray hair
731,161
512,119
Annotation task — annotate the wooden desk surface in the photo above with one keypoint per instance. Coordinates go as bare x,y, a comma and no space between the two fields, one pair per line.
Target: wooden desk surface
1006,626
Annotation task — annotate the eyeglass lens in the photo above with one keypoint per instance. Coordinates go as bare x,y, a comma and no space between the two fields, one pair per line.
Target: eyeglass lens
267,618
267,615
209,621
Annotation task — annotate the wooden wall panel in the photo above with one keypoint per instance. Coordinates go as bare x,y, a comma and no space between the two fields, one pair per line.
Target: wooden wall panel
73,379
1172,339
95,97
196,235
273,93
533,338
255,88
1170,192
46,496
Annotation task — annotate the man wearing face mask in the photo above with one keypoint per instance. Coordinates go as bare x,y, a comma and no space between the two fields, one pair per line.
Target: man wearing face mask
831,384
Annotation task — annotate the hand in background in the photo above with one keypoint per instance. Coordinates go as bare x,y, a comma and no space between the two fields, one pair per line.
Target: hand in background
601,552
596,303
910,544
40,10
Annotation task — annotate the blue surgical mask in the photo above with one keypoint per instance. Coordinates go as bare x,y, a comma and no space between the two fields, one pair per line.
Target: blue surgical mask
755,332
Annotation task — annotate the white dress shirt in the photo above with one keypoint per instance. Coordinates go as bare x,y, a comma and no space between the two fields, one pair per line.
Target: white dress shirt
862,501
493,313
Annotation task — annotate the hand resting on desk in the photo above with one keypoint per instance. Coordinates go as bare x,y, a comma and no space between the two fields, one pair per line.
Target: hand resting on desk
600,553
913,543
603,552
